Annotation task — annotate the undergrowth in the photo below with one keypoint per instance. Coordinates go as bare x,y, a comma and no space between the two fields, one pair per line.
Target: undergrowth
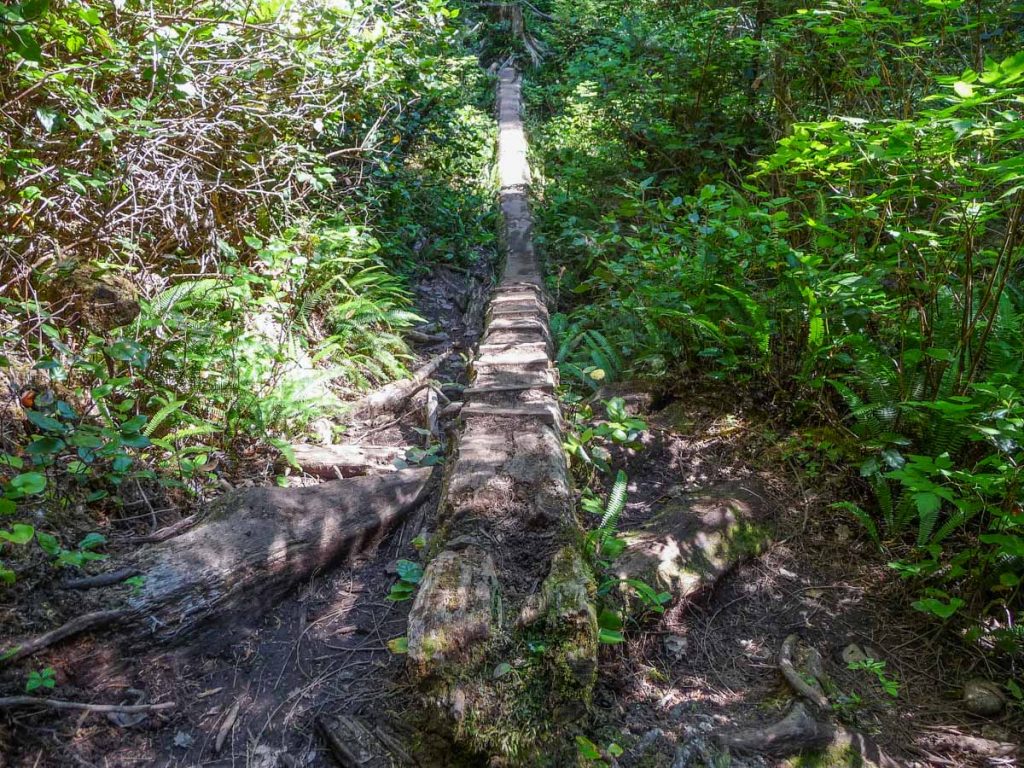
824,207
211,219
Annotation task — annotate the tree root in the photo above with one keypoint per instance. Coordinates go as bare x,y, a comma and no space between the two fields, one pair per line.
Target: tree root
809,690
800,731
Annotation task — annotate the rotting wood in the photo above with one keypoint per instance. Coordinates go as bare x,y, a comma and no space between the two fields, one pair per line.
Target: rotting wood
507,573
259,542
327,461
253,546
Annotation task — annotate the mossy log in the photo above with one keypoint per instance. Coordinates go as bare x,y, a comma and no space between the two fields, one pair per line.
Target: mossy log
694,540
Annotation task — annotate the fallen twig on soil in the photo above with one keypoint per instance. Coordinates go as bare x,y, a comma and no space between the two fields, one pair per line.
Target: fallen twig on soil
100,580
78,625
9,702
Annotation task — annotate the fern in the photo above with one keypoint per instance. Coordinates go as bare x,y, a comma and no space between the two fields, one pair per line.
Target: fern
613,509
160,416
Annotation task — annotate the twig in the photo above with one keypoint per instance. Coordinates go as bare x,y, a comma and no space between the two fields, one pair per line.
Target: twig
100,580
9,702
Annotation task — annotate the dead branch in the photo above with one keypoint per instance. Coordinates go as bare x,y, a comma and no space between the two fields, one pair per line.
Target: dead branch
9,702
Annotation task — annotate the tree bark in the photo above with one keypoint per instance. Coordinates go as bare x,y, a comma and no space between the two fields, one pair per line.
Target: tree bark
251,549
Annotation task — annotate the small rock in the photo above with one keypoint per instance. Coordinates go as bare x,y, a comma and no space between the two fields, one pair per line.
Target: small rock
647,741
391,568
842,533
183,740
676,646
983,698
853,653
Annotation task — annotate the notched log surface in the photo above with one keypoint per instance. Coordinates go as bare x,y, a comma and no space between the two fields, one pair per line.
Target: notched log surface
509,574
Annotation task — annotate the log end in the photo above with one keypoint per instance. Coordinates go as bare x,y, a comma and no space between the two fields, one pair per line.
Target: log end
457,610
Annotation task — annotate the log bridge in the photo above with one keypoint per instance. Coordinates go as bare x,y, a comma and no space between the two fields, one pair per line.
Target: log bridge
503,631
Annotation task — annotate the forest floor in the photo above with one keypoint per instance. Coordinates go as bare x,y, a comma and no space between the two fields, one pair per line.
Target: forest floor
703,667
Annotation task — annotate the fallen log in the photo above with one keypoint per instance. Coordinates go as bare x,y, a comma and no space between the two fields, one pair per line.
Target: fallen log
503,631
333,461
396,394
253,546
258,543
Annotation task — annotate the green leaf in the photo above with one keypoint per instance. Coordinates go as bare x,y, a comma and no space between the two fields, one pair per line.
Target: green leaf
44,422
19,534
409,571
49,543
937,607
29,483
587,749
609,636
963,90
91,541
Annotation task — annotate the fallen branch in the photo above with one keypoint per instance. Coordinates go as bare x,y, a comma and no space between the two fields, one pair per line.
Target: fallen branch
84,623
9,702
397,393
327,461
100,580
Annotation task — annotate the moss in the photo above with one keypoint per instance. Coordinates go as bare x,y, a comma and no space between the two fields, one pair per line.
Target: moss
840,756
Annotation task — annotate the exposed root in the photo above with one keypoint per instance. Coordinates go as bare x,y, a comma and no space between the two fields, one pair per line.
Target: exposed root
809,690
800,731
797,732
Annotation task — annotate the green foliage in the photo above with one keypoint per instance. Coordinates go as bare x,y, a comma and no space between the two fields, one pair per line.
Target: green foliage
825,203
256,184
42,678
890,685
410,574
